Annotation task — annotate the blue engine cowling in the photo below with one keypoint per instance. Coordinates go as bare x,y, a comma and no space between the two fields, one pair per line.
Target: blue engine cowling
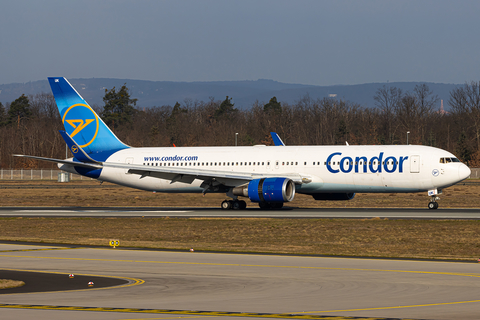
271,190
333,196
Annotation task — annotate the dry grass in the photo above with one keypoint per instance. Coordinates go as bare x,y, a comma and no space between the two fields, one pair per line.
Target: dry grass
437,239
91,194
7,284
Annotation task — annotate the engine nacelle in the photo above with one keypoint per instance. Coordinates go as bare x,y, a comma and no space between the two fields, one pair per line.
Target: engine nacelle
268,190
333,196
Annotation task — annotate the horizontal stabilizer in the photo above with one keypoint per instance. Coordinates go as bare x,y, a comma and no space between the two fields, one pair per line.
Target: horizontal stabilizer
70,162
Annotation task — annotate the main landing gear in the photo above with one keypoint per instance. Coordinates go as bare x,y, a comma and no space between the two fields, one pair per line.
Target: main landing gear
241,205
234,204
270,205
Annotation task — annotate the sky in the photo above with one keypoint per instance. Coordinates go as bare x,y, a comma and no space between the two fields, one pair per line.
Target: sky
306,42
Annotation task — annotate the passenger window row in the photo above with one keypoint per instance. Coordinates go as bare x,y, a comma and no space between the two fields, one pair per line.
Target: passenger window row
216,164
199,164
284,163
361,163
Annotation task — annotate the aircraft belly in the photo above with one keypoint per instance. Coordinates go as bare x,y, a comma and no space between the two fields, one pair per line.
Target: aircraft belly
369,181
148,183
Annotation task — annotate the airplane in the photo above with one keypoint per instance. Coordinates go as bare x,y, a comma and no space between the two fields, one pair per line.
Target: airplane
267,175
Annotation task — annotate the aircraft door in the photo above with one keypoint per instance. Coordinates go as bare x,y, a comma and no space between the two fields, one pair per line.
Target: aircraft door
415,164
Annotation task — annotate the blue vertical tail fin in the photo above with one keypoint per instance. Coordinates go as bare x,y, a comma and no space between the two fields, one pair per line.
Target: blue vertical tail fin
82,123
77,152
276,139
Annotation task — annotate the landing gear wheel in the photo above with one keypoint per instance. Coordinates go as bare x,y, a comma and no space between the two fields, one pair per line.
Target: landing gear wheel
226,205
270,205
233,204
433,205
243,205
263,205
277,205
236,205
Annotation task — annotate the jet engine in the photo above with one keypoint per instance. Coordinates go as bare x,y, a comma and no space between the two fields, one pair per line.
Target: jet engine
268,190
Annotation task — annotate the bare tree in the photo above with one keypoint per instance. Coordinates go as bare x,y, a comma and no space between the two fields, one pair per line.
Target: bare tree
387,100
465,102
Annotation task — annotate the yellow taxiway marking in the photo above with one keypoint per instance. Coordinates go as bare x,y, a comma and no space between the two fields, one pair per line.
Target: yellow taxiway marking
393,307
474,275
192,312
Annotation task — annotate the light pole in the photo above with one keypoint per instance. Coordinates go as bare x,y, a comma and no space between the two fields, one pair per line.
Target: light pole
236,134
407,136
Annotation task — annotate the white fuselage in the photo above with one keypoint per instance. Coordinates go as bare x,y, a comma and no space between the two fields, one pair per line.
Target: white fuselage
330,169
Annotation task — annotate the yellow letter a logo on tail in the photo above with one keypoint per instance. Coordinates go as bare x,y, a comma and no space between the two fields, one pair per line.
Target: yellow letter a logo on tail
79,125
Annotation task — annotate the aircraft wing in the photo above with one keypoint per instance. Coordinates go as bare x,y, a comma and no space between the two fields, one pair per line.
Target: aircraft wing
188,175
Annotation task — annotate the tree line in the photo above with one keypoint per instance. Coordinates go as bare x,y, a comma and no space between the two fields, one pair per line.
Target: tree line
29,125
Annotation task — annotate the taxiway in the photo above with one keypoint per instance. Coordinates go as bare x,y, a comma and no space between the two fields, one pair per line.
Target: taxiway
197,285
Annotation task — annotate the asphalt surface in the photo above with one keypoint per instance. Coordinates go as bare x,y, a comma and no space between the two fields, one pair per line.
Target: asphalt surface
288,212
168,285
45,282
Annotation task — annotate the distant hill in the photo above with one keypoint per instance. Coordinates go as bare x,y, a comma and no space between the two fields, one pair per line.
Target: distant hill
244,93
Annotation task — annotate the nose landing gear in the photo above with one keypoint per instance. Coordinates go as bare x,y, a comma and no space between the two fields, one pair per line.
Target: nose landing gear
433,204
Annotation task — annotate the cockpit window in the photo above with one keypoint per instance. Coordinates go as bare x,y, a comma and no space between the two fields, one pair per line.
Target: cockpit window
448,160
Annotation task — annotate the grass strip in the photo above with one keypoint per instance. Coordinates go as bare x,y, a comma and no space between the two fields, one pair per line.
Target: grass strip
7,284
89,193
425,239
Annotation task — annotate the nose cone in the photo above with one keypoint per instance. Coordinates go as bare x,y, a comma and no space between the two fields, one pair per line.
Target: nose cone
464,172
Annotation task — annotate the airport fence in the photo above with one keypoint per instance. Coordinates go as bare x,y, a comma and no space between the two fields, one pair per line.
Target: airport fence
53,174
39,174
475,173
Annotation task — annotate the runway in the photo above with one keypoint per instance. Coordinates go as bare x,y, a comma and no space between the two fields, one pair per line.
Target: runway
288,212
172,285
